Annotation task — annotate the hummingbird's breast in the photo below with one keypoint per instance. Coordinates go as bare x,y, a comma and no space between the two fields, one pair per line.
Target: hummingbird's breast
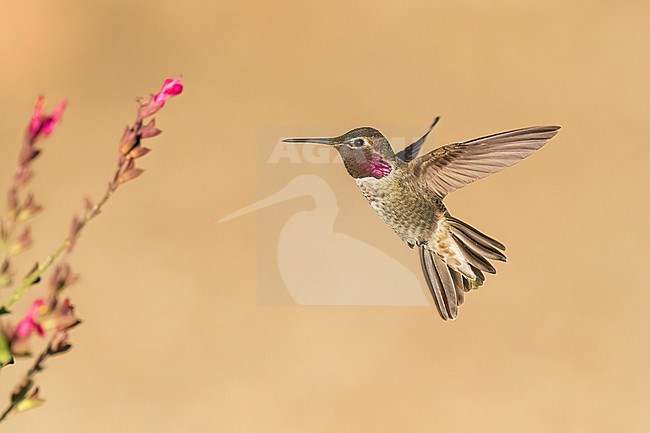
409,208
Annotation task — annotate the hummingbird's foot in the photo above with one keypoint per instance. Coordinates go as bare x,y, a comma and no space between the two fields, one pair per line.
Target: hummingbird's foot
417,243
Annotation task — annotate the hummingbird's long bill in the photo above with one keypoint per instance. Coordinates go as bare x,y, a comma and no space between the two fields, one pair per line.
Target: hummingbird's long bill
328,141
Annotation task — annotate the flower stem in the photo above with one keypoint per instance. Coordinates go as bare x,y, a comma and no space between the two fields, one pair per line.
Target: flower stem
27,383
36,274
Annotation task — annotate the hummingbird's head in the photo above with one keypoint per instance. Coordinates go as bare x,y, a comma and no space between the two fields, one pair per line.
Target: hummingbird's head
365,152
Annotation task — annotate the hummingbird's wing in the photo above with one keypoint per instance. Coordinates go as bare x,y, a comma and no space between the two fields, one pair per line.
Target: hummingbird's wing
451,167
410,152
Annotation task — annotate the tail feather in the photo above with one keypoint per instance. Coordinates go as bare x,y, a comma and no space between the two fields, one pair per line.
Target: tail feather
448,281
467,284
444,296
481,249
447,305
474,259
480,278
474,234
458,285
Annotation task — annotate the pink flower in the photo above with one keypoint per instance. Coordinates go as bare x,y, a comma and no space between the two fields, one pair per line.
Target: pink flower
153,103
42,124
171,87
29,324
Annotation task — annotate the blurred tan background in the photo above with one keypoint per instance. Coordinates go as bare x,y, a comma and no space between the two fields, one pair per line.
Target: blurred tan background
174,339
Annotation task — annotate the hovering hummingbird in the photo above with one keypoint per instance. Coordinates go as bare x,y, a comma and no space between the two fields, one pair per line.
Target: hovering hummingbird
407,192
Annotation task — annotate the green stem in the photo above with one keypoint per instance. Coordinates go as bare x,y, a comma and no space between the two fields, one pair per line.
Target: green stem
28,380
34,276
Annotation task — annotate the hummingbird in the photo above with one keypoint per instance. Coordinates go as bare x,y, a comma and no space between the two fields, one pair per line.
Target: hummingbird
407,193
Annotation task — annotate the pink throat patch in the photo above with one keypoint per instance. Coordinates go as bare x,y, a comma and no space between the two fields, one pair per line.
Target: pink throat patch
378,167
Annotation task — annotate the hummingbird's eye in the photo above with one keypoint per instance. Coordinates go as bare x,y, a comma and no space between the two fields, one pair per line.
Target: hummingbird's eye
358,142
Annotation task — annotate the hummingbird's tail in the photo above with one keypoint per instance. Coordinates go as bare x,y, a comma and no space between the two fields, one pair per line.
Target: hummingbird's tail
450,276
447,285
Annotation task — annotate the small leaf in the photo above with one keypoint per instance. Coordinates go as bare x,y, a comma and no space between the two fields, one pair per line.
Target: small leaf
149,130
88,204
6,280
130,175
130,164
6,274
29,403
33,400
32,271
28,209
129,141
23,175
5,351
28,154
137,152
4,233
62,277
12,200
75,228
60,343
4,310
21,243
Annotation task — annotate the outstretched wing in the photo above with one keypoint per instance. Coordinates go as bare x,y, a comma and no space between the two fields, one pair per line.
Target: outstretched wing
410,152
451,167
